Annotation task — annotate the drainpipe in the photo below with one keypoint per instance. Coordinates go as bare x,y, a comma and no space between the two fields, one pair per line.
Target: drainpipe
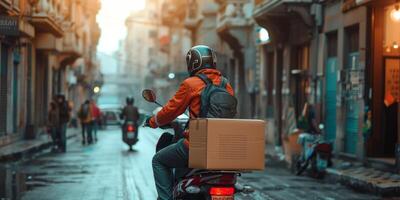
316,11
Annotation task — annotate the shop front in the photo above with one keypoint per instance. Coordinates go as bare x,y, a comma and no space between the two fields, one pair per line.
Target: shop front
287,62
385,76
345,62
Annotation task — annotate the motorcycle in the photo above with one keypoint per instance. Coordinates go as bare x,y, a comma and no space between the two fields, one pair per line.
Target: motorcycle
315,151
197,184
129,134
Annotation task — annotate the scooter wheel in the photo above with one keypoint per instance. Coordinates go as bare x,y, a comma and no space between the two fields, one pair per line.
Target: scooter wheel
301,167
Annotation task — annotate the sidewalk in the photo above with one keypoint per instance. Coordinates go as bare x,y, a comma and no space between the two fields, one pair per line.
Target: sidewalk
20,149
352,174
366,179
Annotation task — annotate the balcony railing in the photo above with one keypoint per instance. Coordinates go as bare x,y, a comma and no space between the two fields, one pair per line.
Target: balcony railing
5,4
72,45
277,2
235,13
47,16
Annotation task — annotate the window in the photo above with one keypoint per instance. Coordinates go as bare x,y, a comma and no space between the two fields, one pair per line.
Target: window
392,30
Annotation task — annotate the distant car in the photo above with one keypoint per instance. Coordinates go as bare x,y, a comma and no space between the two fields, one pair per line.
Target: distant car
111,114
111,117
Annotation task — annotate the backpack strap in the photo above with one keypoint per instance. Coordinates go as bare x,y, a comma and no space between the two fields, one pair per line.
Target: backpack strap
205,79
223,83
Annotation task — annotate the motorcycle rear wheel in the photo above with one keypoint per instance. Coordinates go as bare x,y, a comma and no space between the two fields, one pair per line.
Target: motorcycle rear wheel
301,166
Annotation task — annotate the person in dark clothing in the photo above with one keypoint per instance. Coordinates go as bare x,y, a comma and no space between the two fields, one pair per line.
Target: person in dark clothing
64,111
53,122
310,115
85,116
201,60
130,113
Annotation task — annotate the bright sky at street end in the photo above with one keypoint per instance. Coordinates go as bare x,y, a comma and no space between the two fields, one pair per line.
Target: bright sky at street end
111,19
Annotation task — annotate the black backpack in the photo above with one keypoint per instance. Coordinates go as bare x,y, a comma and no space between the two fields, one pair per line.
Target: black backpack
84,112
216,101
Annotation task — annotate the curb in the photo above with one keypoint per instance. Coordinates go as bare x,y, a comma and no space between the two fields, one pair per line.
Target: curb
19,155
367,180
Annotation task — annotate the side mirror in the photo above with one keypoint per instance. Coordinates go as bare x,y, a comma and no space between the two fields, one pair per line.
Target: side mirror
149,95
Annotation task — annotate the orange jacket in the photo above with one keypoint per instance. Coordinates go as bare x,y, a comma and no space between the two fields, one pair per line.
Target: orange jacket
188,95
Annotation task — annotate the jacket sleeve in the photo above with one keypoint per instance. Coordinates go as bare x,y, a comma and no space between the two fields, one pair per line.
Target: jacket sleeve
175,107
230,89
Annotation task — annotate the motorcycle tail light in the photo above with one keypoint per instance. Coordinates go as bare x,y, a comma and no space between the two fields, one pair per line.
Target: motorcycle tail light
222,191
130,129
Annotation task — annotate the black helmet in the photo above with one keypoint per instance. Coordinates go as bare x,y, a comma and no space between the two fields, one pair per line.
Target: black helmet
200,57
129,100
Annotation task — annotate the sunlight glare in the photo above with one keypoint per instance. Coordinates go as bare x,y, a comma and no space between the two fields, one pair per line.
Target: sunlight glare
111,19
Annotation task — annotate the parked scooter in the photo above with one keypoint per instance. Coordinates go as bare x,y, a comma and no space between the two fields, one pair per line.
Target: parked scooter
129,134
197,184
315,151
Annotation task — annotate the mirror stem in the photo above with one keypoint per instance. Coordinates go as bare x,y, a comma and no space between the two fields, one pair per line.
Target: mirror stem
158,103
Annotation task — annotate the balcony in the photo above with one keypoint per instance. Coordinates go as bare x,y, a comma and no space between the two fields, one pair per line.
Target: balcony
6,4
12,7
47,17
173,13
286,18
234,13
351,4
192,18
276,5
72,45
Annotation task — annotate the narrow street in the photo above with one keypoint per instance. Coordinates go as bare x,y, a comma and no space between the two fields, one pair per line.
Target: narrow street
106,170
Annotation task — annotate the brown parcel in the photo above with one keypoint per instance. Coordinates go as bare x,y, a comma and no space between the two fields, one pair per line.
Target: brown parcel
227,144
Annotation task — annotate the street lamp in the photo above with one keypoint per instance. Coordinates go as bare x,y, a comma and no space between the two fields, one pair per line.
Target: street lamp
96,89
171,75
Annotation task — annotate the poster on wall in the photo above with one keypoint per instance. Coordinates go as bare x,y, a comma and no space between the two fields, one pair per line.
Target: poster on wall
392,81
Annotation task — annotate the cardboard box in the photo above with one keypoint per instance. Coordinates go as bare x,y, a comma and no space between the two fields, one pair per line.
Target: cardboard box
227,144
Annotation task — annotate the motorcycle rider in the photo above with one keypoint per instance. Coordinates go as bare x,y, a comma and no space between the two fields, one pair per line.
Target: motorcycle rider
200,59
130,113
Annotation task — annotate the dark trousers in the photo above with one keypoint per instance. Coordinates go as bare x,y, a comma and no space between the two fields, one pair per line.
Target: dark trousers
87,128
173,156
95,127
63,136
54,132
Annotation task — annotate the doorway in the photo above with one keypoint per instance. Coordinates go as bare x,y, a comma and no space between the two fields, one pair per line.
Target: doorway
331,69
391,105
352,88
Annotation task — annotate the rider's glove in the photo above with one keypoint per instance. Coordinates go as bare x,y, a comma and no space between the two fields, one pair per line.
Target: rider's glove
147,122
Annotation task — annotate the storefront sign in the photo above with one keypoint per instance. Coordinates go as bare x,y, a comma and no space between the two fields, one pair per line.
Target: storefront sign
392,78
9,26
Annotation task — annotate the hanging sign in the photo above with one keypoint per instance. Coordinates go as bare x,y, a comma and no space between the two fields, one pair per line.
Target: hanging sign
9,26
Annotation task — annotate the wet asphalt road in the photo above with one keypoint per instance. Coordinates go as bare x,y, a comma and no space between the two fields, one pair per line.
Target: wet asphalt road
106,170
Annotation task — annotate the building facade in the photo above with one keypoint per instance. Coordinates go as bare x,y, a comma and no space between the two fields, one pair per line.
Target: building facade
40,44
340,56
330,54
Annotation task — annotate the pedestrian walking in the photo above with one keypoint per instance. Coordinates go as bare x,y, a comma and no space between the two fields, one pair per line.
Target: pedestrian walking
96,117
64,117
53,122
85,116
